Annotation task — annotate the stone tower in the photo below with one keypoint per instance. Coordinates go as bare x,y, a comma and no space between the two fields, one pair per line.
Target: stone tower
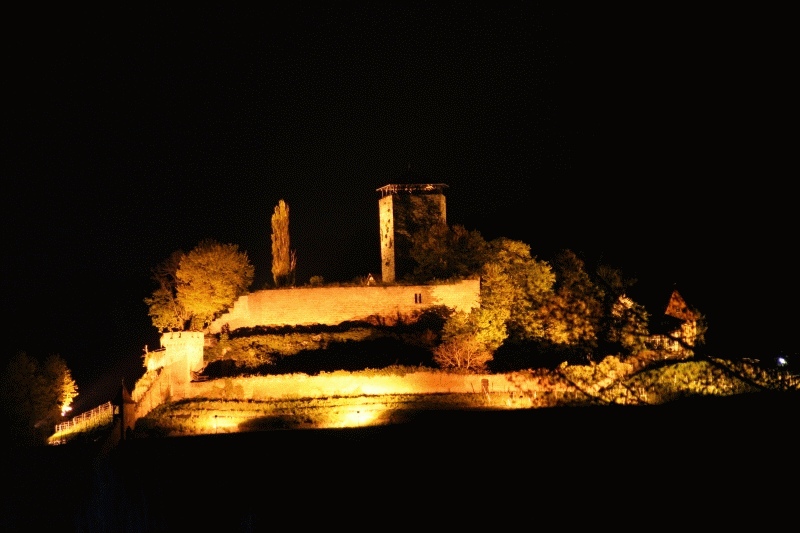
403,210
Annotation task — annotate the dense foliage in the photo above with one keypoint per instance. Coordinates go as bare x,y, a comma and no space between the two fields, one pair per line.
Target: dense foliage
164,308
33,396
442,252
194,288
283,259
317,348
533,312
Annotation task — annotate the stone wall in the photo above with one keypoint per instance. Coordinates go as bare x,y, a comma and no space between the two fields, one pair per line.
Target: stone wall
334,305
346,384
182,351
185,347
158,391
169,370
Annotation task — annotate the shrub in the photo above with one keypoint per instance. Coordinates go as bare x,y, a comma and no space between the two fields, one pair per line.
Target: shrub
463,353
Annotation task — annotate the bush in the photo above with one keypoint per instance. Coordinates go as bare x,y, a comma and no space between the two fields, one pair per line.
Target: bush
462,354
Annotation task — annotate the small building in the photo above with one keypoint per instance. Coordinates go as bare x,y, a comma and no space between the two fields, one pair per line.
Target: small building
676,330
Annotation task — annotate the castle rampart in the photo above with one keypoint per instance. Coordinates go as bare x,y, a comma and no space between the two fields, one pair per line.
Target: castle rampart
334,305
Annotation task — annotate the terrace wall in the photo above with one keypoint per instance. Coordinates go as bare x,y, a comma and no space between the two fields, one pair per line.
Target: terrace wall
334,305
182,352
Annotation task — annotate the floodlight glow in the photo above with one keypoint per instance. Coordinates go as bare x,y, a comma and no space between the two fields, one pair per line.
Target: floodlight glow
357,415
220,424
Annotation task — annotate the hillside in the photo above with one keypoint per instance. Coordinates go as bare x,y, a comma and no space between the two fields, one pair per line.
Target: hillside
388,396
688,461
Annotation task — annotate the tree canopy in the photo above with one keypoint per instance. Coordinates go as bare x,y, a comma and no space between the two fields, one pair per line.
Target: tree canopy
443,252
625,325
165,310
283,258
525,285
512,284
538,306
34,395
196,287
573,312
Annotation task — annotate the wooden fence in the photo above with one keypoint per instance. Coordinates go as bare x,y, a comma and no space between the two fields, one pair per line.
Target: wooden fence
89,417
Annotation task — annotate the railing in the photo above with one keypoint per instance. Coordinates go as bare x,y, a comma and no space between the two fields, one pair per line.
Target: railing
84,419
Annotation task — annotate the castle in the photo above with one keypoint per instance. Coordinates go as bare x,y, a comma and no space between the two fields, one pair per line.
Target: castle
403,210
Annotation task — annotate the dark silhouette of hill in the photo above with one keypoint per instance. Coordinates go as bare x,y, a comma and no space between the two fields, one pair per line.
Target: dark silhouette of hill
720,459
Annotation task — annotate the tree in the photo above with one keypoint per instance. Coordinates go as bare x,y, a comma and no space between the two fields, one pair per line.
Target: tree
166,312
512,286
34,395
193,288
59,379
625,325
283,259
210,279
573,314
462,354
444,252
525,284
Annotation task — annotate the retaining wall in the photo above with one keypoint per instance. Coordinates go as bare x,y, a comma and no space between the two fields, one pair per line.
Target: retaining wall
341,384
334,305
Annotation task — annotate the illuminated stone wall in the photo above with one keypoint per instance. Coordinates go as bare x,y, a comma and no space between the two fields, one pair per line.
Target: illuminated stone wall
335,384
156,392
364,392
169,371
185,347
346,384
334,305
386,224
183,350
184,354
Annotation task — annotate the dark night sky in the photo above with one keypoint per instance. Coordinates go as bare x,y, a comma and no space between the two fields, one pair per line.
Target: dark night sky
648,140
